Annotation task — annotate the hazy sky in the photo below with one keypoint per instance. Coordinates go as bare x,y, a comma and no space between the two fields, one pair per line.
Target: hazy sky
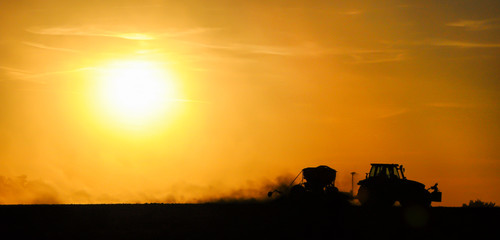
259,90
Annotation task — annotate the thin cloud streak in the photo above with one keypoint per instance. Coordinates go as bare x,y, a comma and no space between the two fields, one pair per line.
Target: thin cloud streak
99,32
356,55
393,113
463,44
87,31
443,43
476,25
42,46
378,56
19,74
450,105
351,12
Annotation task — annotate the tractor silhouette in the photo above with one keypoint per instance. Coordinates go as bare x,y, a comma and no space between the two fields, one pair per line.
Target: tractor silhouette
385,184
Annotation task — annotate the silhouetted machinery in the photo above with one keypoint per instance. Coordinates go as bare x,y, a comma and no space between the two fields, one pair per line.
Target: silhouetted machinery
317,183
386,184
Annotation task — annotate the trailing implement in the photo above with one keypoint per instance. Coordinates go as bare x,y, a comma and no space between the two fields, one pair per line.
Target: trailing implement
317,184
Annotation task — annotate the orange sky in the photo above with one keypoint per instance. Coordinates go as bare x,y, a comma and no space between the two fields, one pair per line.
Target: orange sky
261,89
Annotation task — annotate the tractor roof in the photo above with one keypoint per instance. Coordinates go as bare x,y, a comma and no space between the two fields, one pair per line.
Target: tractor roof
385,164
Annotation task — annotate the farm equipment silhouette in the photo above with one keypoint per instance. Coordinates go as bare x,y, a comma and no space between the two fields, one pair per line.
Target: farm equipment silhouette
385,184
317,185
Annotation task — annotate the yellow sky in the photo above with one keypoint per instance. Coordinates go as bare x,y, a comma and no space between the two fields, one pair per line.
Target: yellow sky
262,89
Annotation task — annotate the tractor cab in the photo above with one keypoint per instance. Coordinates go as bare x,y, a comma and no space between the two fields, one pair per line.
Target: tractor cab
389,171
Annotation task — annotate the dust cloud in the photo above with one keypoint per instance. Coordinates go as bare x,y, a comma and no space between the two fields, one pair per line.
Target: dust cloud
23,190
20,190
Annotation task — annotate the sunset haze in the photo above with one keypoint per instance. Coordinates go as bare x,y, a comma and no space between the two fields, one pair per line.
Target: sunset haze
236,96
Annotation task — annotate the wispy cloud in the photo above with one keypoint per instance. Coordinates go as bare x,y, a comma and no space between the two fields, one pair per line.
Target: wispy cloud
42,46
443,43
351,12
174,32
88,31
450,105
392,113
304,49
463,44
476,25
20,74
129,35
377,56
311,49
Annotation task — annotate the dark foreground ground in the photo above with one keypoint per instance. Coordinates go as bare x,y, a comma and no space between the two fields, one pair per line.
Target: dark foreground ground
244,221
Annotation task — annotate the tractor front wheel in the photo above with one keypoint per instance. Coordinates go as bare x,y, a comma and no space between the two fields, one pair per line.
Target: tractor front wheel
419,197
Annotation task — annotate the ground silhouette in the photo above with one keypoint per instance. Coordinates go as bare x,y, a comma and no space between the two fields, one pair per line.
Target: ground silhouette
270,220
479,203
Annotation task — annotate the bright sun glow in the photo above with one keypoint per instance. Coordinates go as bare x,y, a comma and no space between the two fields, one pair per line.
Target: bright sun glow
135,92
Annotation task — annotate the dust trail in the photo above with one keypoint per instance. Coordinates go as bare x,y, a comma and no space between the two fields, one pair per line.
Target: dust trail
20,190
251,193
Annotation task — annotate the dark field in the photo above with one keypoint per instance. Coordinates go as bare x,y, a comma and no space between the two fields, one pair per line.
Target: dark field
243,221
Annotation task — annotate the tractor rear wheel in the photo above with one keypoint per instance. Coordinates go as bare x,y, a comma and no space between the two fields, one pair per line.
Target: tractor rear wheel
363,195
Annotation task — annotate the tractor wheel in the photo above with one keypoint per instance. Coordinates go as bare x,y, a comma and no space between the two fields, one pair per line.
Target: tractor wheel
374,198
420,198
330,191
363,195
298,193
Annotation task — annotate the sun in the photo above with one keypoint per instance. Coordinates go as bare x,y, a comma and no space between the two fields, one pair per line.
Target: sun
135,92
